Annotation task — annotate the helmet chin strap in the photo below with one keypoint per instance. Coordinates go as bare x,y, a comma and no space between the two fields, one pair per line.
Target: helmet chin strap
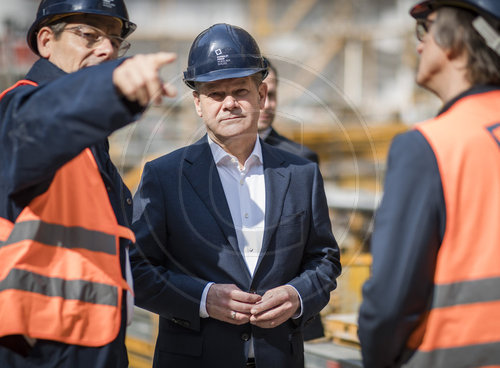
490,35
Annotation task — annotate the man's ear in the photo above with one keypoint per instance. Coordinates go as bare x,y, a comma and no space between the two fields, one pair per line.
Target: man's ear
262,95
45,38
196,98
458,58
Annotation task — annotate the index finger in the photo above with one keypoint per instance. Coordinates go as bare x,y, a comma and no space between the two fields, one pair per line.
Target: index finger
242,296
163,58
268,302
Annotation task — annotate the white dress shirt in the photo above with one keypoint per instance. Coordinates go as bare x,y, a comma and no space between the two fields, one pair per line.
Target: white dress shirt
245,191
265,133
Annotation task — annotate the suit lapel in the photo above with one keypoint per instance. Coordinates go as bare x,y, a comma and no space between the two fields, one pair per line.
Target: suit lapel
200,170
277,179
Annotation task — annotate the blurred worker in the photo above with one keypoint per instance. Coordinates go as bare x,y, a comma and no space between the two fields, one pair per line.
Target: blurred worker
432,299
314,329
234,244
64,210
272,137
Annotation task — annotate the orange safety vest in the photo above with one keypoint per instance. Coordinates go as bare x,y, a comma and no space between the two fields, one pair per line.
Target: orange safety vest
462,327
60,273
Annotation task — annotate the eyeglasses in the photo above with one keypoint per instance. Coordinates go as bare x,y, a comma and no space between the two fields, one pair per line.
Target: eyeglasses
94,37
422,28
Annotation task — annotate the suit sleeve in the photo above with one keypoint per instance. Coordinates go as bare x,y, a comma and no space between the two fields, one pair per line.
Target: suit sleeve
172,295
321,258
44,127
408,228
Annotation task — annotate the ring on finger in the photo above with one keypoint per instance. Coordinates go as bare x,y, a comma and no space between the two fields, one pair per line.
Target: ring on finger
233,314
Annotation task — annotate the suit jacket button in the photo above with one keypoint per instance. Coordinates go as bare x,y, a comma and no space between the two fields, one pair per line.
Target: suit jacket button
245,336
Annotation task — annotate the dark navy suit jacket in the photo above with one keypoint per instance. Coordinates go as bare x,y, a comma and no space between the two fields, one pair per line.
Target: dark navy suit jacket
186,238
314,329
281,142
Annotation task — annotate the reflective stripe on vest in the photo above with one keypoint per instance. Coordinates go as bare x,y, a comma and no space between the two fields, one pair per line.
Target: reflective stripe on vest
462,327
60,273
62,236
5,229
84,291
481,355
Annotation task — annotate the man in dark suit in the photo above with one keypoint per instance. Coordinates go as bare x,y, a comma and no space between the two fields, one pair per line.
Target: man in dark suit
314,329
234,244
266,119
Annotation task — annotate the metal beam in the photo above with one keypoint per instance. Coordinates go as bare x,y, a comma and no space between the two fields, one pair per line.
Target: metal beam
294,15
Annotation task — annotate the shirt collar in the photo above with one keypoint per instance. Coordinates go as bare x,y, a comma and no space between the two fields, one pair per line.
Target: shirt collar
471,91
265,133
220,155
44,71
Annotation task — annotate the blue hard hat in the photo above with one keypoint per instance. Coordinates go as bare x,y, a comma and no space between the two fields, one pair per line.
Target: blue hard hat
223,51
490,9
49,9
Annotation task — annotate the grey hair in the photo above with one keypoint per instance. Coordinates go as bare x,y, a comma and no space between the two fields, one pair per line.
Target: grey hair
57,28
453,30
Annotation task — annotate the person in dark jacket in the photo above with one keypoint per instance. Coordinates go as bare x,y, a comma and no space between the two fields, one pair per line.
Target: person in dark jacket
234,244
272,137
433,291
71,100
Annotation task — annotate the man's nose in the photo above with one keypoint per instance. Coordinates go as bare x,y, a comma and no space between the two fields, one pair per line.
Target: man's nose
267,103
106,49
230,103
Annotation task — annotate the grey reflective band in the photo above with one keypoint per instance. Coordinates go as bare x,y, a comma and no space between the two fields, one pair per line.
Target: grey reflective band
466,292
62,236
85,291
490,35
466,356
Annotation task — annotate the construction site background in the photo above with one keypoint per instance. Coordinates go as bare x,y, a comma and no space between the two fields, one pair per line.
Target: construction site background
346,87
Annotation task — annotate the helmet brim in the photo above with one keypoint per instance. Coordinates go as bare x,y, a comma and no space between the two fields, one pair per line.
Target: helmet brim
224,74
424,8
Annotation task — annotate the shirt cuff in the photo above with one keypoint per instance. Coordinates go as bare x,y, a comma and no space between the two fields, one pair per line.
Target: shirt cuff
203,302
299,313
